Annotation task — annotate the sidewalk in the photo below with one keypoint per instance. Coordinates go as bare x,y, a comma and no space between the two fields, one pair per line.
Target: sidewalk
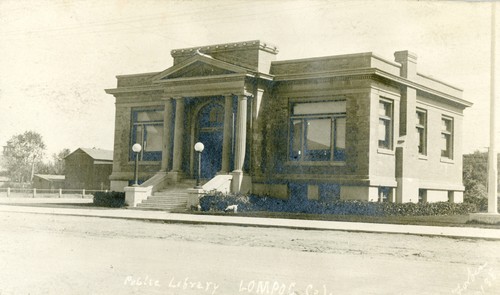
452,232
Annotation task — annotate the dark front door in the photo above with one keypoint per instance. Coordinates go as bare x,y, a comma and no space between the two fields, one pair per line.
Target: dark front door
211,133
211,158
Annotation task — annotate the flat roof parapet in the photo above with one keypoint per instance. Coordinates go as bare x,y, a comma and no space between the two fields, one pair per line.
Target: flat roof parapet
253,44
252,55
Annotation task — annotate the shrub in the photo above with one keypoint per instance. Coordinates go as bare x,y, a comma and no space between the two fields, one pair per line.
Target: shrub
480,202
109,199
249,203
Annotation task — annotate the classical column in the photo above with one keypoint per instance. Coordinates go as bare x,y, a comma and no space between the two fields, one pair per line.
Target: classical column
167,135
178,134
241,134
228,133
240,144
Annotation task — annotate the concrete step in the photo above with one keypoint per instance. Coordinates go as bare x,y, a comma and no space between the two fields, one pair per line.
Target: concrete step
164,208
169,195
160,198
162,205
172,197
184,201
170,201
165,202
181,186
166,198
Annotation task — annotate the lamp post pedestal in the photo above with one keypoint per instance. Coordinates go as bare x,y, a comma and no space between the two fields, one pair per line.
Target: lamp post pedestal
136,194
193,201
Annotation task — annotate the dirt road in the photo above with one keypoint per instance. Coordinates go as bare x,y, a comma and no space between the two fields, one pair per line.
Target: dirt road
47,254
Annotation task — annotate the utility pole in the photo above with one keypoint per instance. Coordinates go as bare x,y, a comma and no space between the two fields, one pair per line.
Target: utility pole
492,154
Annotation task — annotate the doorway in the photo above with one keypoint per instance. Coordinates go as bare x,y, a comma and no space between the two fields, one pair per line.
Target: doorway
211,134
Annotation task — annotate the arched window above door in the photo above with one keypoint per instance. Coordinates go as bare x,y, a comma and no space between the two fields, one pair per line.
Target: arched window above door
211,115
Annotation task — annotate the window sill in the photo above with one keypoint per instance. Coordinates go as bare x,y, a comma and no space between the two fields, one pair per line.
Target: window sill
447,160
423,157
385,151
315,163
145,162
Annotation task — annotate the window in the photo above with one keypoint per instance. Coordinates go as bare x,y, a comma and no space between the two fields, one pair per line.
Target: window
216,115
422,131
318,131
422,195
385,124
385,194
147,130
211,116
447,137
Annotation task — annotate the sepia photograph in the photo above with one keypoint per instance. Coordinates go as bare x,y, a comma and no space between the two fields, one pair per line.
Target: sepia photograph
278,147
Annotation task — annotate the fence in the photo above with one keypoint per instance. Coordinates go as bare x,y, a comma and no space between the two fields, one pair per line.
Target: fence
47,193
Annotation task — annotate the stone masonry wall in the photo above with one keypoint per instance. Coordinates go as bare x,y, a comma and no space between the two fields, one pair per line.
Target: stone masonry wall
276,131
123,167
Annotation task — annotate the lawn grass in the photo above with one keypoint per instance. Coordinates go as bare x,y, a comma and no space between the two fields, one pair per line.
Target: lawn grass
439,220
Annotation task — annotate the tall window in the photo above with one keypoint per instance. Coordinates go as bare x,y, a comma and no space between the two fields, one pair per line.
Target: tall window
385,124
147,130
422,131
318,131
447,137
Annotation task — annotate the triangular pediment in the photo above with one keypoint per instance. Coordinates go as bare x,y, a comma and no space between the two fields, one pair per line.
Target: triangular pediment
199,69
199,66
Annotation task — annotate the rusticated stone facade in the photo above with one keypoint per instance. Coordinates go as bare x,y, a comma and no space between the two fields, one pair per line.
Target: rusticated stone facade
353,126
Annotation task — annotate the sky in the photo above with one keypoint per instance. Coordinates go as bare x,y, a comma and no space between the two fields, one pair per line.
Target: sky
58,56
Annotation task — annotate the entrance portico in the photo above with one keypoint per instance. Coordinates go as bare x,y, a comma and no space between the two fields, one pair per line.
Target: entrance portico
220,123
208,99
207,96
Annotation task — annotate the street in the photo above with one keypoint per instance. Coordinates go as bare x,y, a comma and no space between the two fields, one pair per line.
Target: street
51,254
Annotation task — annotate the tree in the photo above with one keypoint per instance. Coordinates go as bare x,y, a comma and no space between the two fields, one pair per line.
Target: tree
55,166
44,168
21,155
475,177
475,174
58,164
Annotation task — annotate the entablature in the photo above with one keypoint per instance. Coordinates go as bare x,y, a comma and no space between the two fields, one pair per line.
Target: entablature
376,74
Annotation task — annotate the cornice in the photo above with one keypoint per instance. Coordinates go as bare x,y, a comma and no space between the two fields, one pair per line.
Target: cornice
320,58
263,76
227,77
363,73
137,75
439,81
368,73
121,90
327,74
423,88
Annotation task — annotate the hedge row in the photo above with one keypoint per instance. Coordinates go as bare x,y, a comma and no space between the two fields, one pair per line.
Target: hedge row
109,199
256,203
480,202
